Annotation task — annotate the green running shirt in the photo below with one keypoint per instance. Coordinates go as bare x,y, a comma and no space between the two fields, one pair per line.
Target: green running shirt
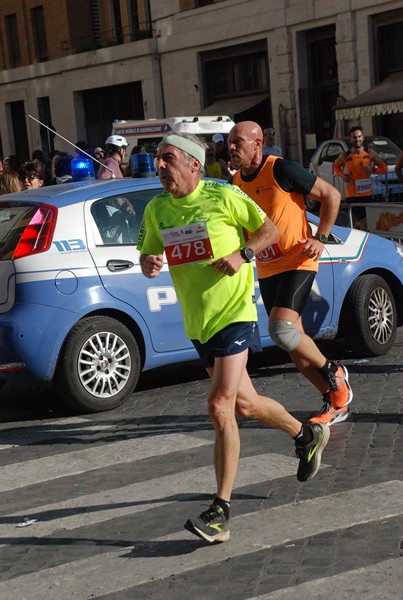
194,230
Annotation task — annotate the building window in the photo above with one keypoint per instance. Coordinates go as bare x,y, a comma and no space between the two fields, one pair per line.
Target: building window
117,21
388,43
13,44
39,32
232,71
390,48
139,19
44,115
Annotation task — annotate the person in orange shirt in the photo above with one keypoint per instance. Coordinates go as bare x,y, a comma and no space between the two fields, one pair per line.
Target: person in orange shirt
287,269
356,167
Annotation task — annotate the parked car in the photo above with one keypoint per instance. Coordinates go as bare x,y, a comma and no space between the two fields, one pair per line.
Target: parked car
386,188
76,310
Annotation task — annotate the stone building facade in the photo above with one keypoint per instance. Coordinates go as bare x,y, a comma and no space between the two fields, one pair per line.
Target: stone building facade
78,65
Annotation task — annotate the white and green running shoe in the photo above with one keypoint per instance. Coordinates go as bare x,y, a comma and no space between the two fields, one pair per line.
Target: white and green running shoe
211,525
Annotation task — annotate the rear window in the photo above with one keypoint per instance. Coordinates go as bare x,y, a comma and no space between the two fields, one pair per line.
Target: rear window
13,220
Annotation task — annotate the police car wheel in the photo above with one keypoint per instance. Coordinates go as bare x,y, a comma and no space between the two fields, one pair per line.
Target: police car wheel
99,365
370,316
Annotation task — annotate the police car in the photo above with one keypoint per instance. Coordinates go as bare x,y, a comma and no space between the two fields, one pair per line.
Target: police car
76,310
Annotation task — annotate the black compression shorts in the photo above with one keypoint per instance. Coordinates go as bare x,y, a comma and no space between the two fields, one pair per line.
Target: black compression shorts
287,290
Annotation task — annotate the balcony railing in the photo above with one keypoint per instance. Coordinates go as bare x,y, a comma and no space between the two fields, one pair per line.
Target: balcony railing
112,37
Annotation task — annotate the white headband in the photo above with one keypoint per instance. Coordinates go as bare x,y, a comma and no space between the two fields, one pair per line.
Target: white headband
185,145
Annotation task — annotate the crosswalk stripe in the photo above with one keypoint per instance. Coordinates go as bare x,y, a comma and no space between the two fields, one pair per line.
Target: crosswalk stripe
133,566
138,497
342,586
72,426
39,470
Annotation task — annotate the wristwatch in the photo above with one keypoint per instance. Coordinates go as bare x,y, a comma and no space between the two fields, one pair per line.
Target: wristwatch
321,237
247,254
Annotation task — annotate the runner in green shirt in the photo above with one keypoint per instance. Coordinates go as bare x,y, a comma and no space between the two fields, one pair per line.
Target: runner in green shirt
200,226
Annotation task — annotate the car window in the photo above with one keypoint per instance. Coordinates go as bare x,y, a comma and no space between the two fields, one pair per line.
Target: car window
118,218
330,152
385,148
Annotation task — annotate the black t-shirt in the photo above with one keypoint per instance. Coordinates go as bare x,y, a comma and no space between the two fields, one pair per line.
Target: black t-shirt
289,175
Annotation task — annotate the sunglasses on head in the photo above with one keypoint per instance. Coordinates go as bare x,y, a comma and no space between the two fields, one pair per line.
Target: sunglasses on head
269,132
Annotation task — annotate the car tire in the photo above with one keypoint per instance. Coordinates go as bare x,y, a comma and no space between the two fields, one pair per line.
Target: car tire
370,316
99,365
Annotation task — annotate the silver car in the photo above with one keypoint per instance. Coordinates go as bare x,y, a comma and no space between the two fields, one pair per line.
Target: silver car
386,188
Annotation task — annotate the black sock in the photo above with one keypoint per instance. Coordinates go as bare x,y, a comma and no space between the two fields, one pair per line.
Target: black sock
328,367
224,505
305,435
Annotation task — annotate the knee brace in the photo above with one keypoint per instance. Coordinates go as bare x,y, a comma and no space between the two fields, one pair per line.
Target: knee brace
284,334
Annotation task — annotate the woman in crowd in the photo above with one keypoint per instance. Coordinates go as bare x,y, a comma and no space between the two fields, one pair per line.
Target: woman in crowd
9,182
30,176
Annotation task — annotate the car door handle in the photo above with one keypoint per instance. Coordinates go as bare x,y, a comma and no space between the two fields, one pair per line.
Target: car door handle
119,265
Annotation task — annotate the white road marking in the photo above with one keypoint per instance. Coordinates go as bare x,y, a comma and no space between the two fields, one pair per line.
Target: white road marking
135,565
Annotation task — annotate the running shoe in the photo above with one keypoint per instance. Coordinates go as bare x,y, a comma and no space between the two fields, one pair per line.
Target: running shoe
329,415
211,525
340,391
310,454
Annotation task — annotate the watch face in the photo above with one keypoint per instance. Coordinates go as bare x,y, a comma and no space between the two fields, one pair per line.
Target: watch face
247,254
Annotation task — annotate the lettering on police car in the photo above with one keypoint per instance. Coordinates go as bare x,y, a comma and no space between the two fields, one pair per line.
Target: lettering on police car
158,297
69,245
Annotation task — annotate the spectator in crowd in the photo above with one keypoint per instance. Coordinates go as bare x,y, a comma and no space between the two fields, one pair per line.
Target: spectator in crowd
269,146
115,147
82,145
212,166
99,155
54,157
44,166
9,183
399,168
127,171
356,167
63,168
12,163
30,176
221,150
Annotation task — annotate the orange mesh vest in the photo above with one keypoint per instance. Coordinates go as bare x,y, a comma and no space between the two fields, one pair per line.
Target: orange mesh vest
287,211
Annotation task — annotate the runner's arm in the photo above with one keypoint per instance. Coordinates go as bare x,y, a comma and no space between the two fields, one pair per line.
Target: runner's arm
329,198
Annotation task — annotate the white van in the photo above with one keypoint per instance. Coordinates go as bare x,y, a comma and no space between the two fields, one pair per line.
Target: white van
149,132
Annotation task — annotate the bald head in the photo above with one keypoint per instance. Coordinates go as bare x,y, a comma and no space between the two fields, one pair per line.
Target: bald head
245,146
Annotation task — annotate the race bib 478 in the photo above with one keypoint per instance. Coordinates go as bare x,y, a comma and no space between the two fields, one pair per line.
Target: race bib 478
187,244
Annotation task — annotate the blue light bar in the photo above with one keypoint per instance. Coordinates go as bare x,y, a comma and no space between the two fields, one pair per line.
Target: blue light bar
142,165
82,169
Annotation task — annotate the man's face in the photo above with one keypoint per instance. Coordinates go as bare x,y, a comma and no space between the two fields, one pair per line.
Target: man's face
241,148
357,138
174,170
